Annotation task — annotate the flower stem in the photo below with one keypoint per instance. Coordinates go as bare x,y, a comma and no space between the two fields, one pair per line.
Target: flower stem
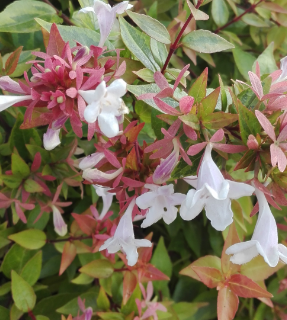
60,14
69,239
235,19
31,315
174,45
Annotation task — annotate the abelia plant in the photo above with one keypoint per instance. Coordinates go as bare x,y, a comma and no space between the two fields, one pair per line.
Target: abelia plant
116,135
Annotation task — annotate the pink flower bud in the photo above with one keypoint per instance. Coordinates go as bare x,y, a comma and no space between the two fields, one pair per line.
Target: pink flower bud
252,143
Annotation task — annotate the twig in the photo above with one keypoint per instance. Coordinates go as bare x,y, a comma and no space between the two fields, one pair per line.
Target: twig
69,239
60,14
174,45
30,313
235,19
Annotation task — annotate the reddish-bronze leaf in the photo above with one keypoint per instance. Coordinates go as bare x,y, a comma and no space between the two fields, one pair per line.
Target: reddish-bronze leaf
246,288
132,161
56,43
227,304
207,261
129,285
68,255
219,120
232,238
133,133
211,277
11,63
86,223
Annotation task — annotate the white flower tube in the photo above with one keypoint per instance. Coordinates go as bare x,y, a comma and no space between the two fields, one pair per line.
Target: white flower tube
107,199
264,240
8,101
124,238
60,226
213,193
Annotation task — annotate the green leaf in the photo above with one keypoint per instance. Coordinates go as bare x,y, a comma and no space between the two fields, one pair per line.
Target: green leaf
32,186
143,110
161,259
15,313
220,12
42,318
22,293
111,316
151,27
72,306
209,103
12,61
157,124
98,269
5,288
219,120
4,313
138,43
19,166
224,100
30,239
32,269
254,20
102,301
198,89
159,52
190,120
22,65
15,259
205,41
244,61
266,61
12,182
145,74
20,16
248,122
86,37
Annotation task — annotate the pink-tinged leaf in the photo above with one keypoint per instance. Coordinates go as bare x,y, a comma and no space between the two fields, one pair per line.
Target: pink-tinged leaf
266,125
36,162
207,261
132,183
185,104
218,136
56,43
190,133
278,103
257,69
150,273
146,96
256,84
211,277
184,156
86,223
121,70
172,130
229,148
227,304
68,255
165,107
278,156
112,158
167,92
246,288
160,80
129,285
272,202
279,195
232,238
20,213
12,61
181,74
196,148
254,210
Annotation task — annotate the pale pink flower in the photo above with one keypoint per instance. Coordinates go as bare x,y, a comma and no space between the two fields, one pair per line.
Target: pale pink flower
107,199
60,226
278,147
124,238
264,240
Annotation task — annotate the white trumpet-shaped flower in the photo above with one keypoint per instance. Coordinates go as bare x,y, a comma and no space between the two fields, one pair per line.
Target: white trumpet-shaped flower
60,226
106,106
8,101
107,199
51,139
124,238
161,202
264,240
213,193
106,16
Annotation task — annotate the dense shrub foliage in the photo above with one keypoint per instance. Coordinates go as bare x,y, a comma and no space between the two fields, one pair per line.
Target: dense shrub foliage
143,165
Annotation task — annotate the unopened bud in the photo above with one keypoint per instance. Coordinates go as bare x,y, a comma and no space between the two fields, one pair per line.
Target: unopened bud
252,142
81,53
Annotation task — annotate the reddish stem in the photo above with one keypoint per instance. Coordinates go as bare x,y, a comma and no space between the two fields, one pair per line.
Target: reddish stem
69,239
30,313
174,45
235,19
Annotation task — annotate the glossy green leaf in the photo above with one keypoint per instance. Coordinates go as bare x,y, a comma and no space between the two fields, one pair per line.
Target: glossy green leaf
145,74
220,12
20,16
30,239
32,269
32,186
151,27
254,20
4,313
244,61
198,89
19,166
159,52
266,61
22,293
139,44
98,269
206,42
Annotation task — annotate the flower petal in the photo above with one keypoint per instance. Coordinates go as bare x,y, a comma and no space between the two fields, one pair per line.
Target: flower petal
91,160
87,9
239,189
91,96
51,139
59,223
108,124
278,156
190,209
118,88
146,200
8,101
